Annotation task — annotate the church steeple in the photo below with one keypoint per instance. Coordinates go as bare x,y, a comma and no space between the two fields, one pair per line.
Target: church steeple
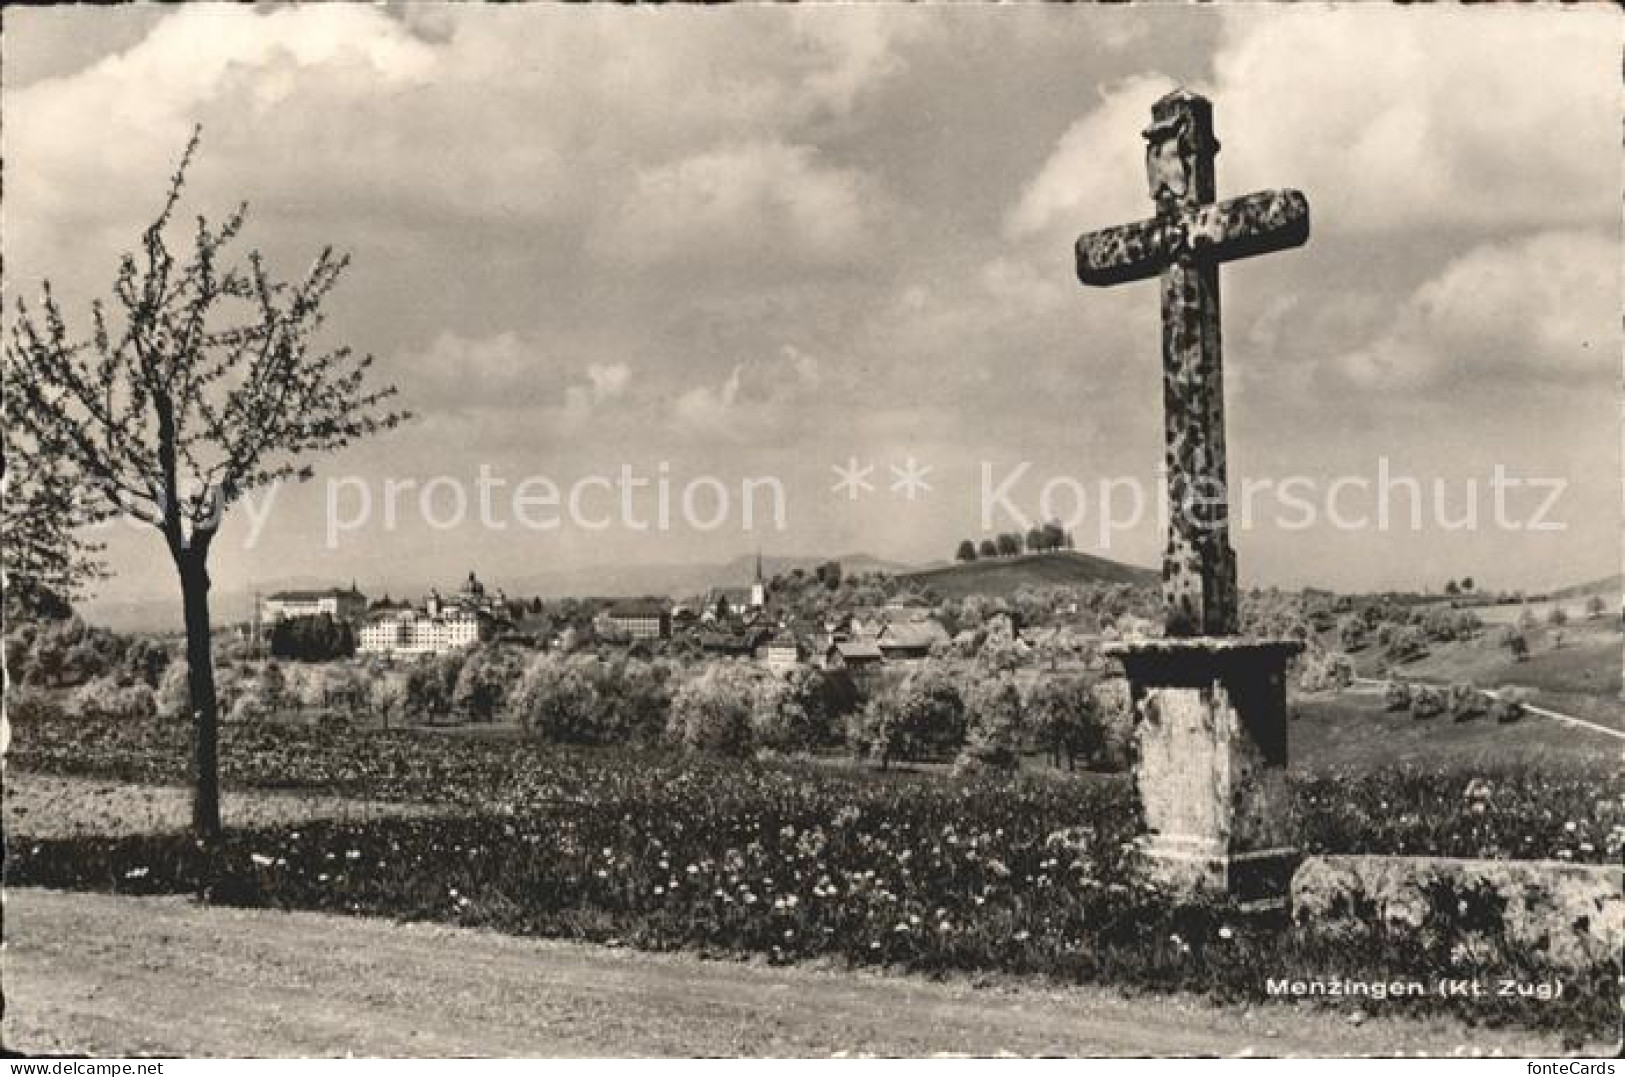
758,590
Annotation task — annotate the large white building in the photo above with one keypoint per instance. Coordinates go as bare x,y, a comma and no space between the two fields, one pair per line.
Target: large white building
415,631
336,602
438,626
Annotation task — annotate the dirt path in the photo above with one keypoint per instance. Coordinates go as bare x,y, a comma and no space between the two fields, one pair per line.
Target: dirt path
89,973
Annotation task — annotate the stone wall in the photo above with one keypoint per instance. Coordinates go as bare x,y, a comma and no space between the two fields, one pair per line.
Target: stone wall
1573,913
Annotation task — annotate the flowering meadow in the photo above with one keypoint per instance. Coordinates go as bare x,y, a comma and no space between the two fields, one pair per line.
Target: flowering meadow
1026,873
1573,811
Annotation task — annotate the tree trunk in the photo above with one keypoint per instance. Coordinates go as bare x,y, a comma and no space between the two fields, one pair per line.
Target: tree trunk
194,574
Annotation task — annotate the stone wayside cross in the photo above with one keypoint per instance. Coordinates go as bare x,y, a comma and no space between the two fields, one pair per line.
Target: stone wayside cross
1210,708
1185,243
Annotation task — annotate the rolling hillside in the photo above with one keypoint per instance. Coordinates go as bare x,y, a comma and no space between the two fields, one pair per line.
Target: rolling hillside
1003,577
1609,587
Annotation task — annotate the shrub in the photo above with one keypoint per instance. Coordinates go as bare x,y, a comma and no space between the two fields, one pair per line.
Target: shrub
1509,705
636,698
1352,632
1426,701
1466,702
1066,718
792,713
248,707
313,638
487,676
106,697
1595,607
1114,705
712,710
993,721
28,704
174,696
1325,671
147,659
1557,617
429,684
1444,624
920,715
1516,643
1408,642
386,695
557,699
1397,696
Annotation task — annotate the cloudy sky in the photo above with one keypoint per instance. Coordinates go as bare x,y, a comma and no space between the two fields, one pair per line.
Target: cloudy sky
753,242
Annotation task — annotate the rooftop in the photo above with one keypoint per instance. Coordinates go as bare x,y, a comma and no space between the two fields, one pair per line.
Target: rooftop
638,607
314,596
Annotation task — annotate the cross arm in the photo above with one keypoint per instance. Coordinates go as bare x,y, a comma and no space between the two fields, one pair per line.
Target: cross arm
1253,224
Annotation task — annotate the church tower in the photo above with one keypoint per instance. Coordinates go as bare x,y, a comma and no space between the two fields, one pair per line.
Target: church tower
758,590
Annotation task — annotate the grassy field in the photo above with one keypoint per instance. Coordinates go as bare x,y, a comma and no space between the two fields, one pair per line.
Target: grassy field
804,861
1578,674
54,806
1354,731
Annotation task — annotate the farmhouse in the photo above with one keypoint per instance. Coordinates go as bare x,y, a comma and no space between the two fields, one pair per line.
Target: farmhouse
910,639
852,654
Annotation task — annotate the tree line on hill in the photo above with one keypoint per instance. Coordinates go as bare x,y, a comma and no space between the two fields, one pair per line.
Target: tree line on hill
1050,536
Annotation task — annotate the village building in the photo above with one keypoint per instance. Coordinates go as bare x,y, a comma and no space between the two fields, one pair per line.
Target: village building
749,604
638,619
910,640
742,642
339,603
784,652
853,654
437,627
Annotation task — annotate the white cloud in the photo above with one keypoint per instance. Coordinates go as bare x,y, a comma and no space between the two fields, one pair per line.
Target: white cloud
758,398
500,370
1387,122
1545,308
733,203
530,116
605,382
707,409
608,379
1094,176
506,372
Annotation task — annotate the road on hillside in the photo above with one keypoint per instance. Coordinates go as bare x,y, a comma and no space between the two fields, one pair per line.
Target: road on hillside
104,975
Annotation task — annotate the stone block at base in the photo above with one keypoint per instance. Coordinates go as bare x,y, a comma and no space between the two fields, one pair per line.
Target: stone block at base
1571,915
1210,750
1258,880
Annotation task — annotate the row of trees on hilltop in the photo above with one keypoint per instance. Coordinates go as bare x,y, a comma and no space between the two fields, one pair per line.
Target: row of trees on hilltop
1051,536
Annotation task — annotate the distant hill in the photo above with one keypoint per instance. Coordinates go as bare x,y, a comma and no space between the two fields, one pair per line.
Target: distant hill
683,580
1609,585
229,605
1002,577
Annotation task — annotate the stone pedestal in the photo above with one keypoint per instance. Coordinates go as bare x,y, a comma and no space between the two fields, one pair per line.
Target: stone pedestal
1210,765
